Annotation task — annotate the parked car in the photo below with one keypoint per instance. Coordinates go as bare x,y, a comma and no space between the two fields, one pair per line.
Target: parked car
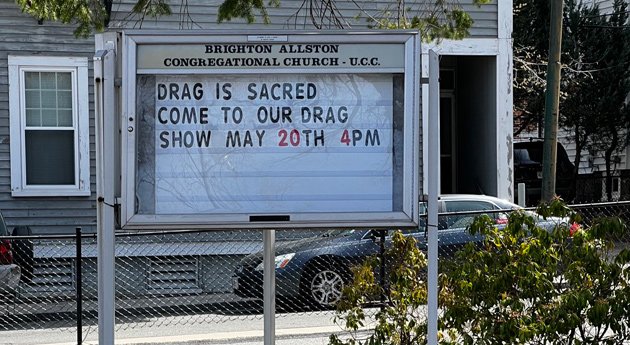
528,157
314,270
10,272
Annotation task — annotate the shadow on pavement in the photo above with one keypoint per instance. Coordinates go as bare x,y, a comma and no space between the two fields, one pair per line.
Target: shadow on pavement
37,314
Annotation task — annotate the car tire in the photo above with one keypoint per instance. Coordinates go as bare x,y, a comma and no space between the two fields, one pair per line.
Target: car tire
23,253
323,286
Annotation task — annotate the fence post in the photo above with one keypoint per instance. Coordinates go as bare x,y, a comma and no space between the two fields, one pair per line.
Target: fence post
269,287
432,202
79,283
382,268
521,195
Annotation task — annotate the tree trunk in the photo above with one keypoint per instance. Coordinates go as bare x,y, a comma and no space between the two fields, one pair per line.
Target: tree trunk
579,146
608,156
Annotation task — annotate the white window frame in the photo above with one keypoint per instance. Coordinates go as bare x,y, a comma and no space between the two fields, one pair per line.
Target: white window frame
78,66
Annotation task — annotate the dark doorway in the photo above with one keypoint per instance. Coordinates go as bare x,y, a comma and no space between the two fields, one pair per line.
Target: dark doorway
447,154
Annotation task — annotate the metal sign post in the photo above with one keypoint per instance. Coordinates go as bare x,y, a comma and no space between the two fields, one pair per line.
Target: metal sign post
434,189
269,286
104,75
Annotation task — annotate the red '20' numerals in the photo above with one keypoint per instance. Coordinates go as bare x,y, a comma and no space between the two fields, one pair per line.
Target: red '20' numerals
293,136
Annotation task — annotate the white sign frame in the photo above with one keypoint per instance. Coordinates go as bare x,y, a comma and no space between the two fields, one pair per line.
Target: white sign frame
274,219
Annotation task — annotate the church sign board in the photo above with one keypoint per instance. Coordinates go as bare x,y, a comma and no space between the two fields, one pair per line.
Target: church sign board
279,130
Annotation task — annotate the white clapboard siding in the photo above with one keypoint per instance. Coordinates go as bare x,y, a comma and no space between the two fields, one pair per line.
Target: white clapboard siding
203,14
21,34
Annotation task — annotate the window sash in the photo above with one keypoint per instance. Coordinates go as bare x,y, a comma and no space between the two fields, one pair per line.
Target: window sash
79,128
26,175
38,98
50,168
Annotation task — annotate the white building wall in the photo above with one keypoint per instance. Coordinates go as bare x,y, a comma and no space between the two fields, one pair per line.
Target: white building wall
501,48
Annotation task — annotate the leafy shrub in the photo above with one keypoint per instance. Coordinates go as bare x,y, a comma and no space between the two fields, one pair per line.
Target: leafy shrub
401,320
521,284
524,284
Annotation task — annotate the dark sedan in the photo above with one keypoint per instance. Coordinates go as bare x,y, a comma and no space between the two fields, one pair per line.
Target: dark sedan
316,269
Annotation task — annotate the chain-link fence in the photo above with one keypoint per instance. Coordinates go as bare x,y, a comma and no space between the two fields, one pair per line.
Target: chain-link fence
207,276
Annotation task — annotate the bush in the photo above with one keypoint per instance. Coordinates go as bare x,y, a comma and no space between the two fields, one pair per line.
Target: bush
401,320
528,285
521,284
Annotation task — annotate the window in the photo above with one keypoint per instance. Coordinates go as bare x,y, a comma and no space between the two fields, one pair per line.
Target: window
465,220
615,188
49,119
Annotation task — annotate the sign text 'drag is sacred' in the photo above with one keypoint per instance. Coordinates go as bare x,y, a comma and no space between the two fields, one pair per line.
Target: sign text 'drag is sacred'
297,142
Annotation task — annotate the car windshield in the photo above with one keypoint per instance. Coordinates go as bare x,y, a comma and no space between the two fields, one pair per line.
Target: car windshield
521,155
504,205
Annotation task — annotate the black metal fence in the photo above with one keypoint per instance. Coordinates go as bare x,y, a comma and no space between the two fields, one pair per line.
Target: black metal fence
199,276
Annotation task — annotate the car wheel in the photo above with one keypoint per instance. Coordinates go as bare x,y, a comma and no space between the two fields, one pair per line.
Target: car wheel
325,287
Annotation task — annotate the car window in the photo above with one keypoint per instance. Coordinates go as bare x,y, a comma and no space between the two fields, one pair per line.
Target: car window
535,152
423,209
467,205
464,220
521,155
